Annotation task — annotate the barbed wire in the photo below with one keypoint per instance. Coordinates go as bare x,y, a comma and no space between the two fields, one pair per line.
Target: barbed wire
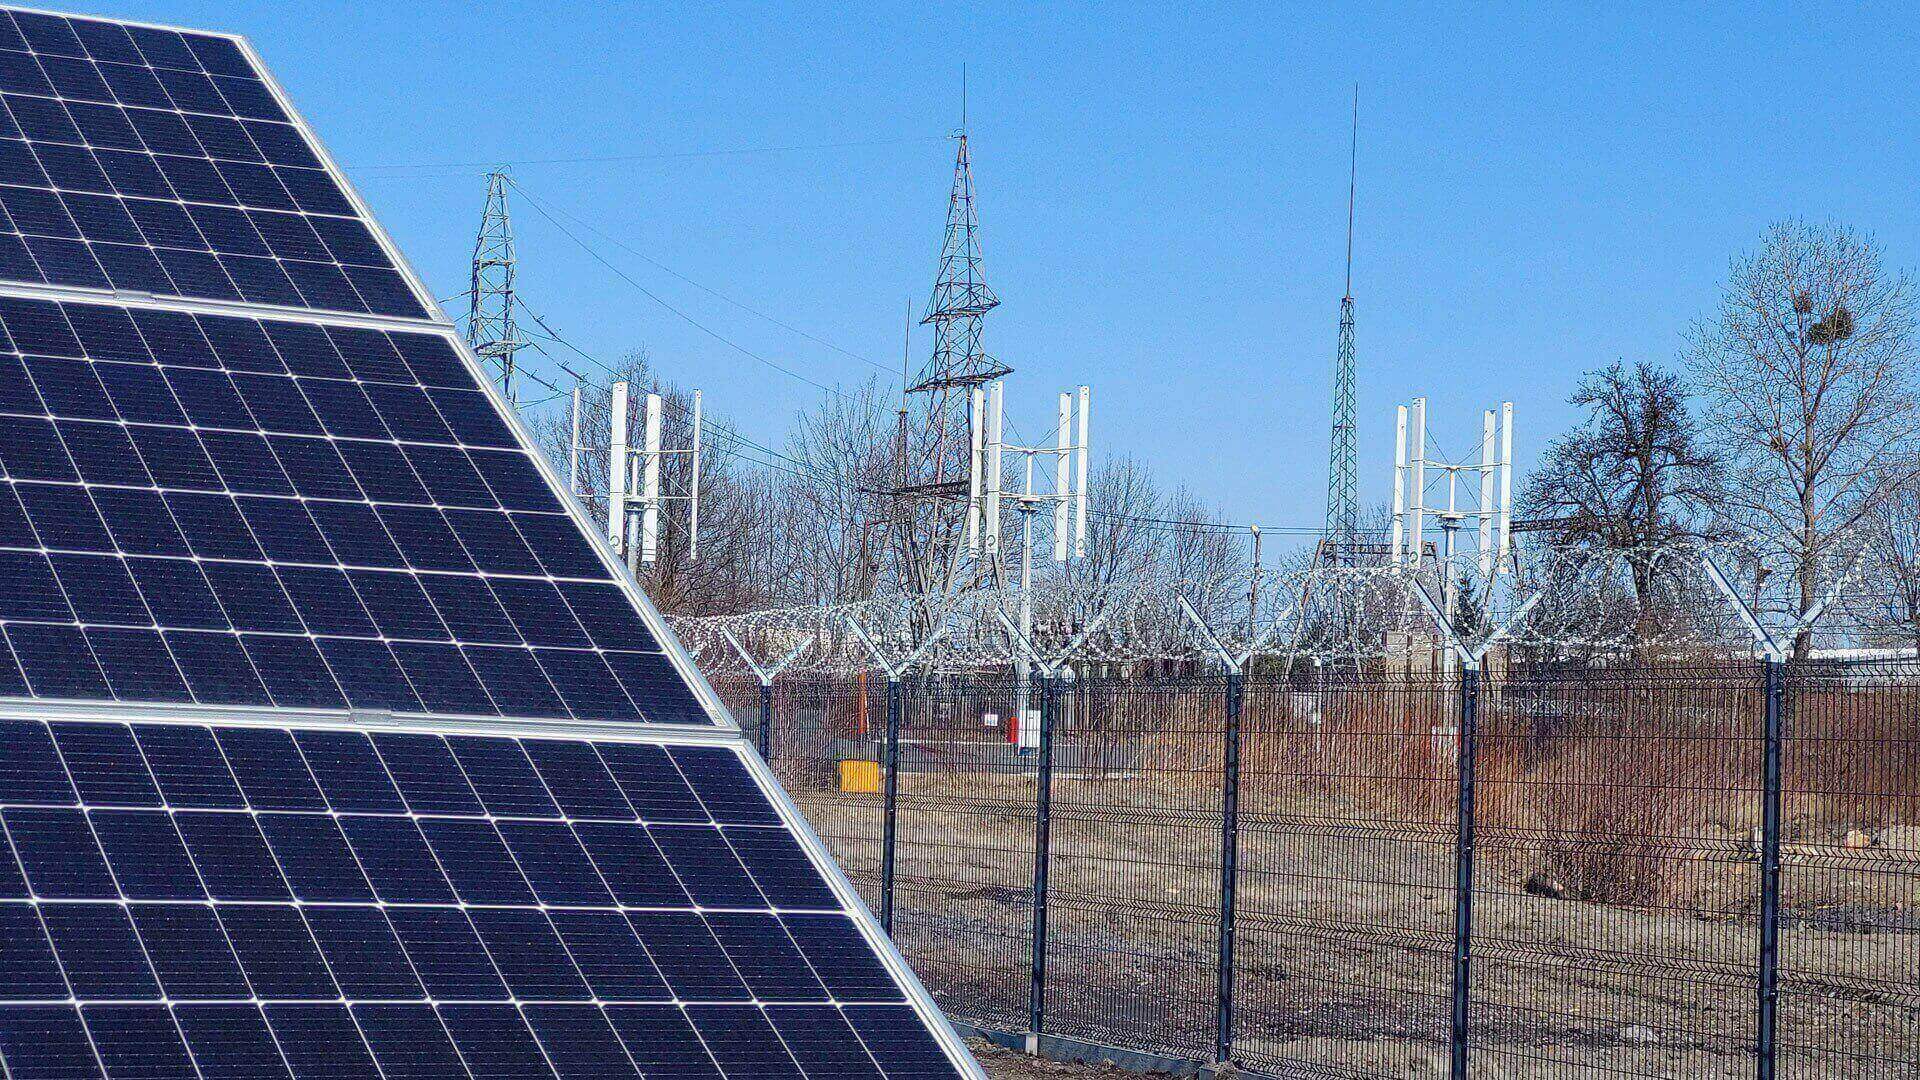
1562,602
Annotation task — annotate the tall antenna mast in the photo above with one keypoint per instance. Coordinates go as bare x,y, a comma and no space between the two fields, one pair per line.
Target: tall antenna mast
490,298
1342,543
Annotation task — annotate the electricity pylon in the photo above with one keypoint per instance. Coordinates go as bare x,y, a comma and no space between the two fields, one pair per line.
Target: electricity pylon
490,301
931,492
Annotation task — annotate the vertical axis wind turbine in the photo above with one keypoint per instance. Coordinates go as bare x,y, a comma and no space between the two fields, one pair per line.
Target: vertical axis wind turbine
1342,543
491,330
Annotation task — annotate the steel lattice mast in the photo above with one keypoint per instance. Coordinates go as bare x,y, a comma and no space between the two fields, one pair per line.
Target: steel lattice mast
490,300
1343,505
932,493
961,295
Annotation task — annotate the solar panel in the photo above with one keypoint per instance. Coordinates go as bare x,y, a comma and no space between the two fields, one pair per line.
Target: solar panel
333,741
136,159
336,901
231,510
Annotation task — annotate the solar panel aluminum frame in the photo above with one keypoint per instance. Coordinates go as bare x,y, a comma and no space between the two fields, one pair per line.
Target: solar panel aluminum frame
437,321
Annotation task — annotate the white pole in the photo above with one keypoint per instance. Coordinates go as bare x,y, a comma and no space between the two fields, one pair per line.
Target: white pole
650,485
693,514
1417,480
1399,485
1506,480
994,404
976,428
1489,463
617,471
1063,480
1449,523
1080,480
573,444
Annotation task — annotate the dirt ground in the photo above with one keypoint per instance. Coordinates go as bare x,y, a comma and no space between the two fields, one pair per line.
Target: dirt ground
1003,1064
1345,937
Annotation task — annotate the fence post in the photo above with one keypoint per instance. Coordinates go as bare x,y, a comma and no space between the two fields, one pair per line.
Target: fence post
1229,865
1042,857
766,720
1463,869
1770,825
765,676
1774,650
890,787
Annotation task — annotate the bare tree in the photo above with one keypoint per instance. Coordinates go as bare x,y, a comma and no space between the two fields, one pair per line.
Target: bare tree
1206,561
1121,493
837,514
1806,369
1893,553
732,571
1634,475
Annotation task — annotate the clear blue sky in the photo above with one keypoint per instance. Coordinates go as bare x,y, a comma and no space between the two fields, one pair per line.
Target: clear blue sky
1162,193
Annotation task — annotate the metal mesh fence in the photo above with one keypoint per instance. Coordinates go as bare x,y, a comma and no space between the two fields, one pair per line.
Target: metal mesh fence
1616,879
963,906
817,726
1850,879
1346,864
1135,888
1619,862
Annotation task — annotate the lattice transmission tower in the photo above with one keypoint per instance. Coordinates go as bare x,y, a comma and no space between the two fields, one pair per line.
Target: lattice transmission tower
961,295
933,481
491,329
1342,544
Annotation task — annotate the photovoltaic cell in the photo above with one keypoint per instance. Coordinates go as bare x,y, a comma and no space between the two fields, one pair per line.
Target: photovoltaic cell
306,908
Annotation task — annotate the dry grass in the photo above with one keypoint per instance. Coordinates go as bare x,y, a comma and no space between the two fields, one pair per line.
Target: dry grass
1622,788
1635,796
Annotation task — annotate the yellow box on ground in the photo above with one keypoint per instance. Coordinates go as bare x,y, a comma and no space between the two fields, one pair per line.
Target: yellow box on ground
860,777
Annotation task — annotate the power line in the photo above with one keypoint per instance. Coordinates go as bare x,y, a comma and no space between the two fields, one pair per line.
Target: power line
767,456
717,294
612,159
683,316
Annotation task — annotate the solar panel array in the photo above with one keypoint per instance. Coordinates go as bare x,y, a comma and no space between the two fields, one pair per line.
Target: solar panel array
182,901
242,512
357,843
146,160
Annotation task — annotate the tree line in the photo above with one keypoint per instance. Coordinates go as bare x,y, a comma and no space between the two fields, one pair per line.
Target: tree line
1788,416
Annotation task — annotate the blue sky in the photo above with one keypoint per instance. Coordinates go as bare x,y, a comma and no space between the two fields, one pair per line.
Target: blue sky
1162,192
